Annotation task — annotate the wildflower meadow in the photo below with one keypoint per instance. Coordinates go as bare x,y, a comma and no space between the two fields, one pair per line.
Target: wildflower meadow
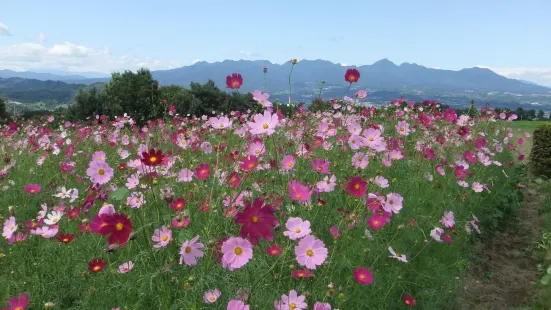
346,206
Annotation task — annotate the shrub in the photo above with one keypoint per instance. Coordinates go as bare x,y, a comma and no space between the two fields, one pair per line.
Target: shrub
540,156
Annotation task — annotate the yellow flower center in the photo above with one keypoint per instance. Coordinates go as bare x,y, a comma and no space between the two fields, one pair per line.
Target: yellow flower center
238,251
292,305
310,253
188,250
153,159
362,276
164,238
371,139
119,226
32,191
96,268
290,164
320,168
221,125
101,172
65,239
391,201
265,126
299,196
255,219
357,186
212,298
297,230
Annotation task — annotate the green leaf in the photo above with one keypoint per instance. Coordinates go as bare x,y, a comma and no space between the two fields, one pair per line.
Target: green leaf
545,280
549,270
119,193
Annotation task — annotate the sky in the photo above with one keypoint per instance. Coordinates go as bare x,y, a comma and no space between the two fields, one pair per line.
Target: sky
511,37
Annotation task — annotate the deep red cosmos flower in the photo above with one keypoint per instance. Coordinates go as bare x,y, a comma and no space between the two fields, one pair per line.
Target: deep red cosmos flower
96,265
117,225
178,204
363,276
352,75
301,274
234,81
356,187
249,163
234,180
66,238
274,250
257,220
152,158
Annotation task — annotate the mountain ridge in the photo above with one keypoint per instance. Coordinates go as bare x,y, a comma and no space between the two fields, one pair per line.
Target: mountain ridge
381,75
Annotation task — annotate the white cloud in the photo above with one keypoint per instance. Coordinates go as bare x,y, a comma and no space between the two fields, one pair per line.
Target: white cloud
195,61
70,57
541,76
41,37
4,30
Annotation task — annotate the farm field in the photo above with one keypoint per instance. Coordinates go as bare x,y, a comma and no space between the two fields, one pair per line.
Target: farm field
344,208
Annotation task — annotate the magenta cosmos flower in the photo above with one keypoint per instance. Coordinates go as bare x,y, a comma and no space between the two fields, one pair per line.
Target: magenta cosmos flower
297,228
299,192
288,162
190,250
263,123
99,172
236,253
235,304
18,303
32,189
320,165
363,276
310,252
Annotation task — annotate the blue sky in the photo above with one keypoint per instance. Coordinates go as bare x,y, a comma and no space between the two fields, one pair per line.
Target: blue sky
105,35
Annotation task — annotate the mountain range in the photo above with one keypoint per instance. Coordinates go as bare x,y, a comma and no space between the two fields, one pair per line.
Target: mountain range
384,81
382,75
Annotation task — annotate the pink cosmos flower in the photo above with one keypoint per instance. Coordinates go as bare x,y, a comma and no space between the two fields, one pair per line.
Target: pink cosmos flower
477,187
126,267
10,226
162,237
320,165
402,128
310,252
398,256
32,189
257,148
297,228
211,297
263,123
360,94
327,184
132,181
335,232
448,219
436,234
99,156
374,139
185,175
299,192
360,160
381,182
190,250
99,172
236,304
288,162
356,142
393,203
262,98
222,122
236,253
293,302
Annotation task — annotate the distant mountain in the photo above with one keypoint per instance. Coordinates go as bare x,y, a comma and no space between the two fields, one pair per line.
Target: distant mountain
382,75
88,78
31,90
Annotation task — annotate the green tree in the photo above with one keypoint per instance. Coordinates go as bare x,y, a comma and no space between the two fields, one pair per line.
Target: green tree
182,99
3,113
136,94
520,113
541,114
89,102
530,115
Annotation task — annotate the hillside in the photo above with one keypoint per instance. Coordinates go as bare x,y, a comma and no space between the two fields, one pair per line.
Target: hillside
30,90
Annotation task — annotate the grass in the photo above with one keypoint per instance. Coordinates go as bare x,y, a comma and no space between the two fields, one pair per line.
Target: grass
52,271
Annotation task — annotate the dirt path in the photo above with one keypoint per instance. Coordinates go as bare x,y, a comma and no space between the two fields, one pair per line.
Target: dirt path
504,274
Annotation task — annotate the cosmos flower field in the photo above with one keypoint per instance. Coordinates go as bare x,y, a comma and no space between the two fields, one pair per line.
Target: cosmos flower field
348,208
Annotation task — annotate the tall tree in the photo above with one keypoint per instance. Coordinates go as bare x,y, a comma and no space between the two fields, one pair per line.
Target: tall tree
136,94
89,102
541,114
3,113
